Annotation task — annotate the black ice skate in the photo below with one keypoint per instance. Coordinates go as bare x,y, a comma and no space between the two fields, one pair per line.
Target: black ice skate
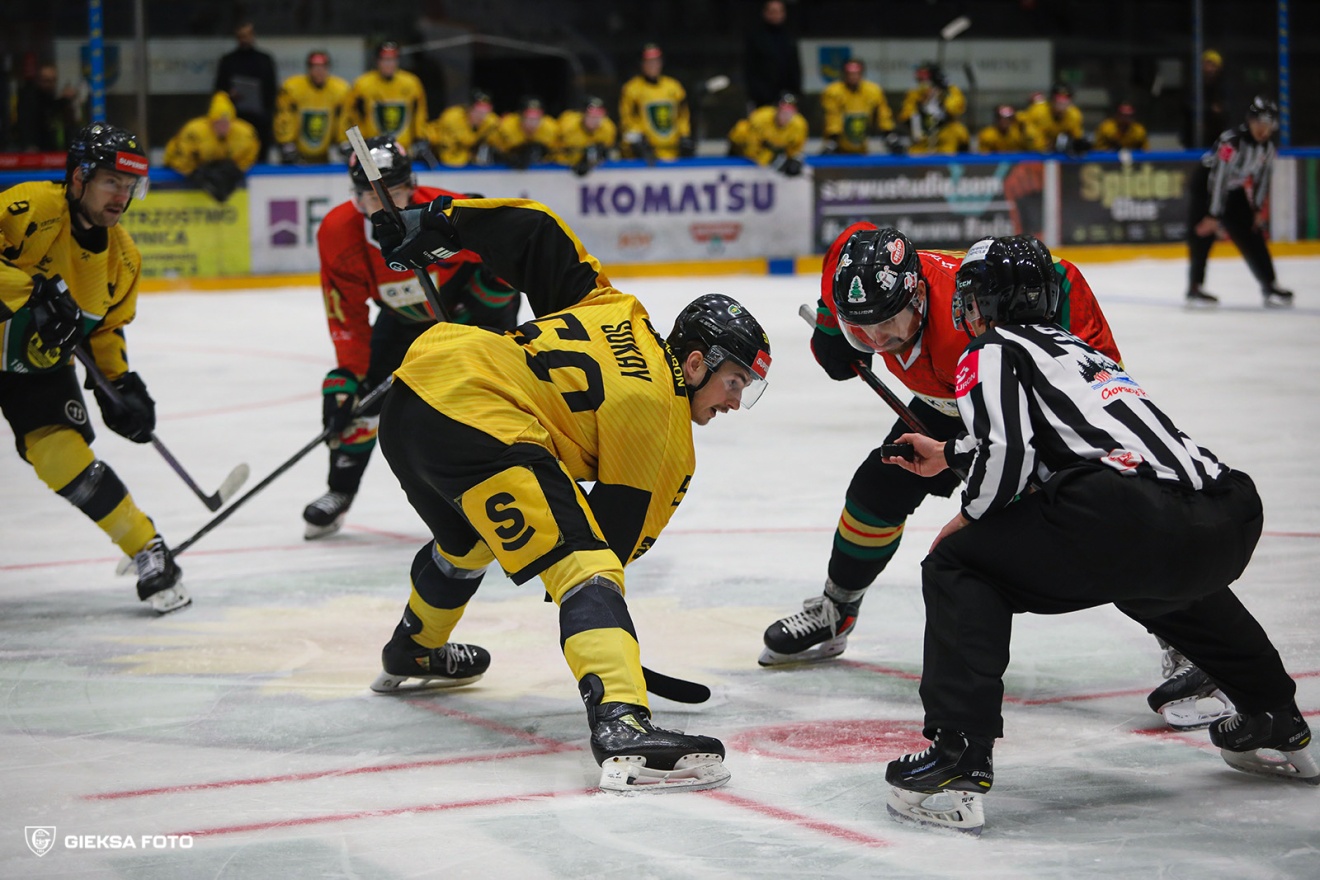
409,667
1198,298
325,515
1282,731
160,582
635,755
818,632
1189,699
942,786
1276,297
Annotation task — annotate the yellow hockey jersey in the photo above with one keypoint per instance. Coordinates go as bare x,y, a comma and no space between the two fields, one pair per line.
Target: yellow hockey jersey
1020,138
658,110
589,379
760,137
100,266
196,144
308,116
574,139
452,137
852,114
1108,136
395,107
1040,116
509,135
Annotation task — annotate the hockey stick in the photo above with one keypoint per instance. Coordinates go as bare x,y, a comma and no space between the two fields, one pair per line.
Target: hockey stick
213,501
676,689
375,394
354,135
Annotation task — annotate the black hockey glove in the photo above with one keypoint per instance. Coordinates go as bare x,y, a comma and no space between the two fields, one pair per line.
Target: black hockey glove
56,318
687,148
133,414
339,393
427,235
835,355
289,154
786,164
829,145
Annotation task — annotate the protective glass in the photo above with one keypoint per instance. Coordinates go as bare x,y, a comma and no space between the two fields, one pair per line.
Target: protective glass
749,379
890,334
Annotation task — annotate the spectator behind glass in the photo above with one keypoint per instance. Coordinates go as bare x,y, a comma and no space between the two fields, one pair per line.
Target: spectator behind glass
248,75
771,64
1214,118
45,117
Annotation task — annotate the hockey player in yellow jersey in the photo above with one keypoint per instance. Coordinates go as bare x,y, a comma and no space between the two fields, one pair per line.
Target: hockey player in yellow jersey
1058,120
460,135
653,113
307,113
490,436
1122,131
932,112
387,101
215,151
772,136
586,136
854,108
1009,134
70,273
527,137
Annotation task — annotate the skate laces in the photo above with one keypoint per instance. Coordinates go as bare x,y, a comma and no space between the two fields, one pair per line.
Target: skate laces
1232,723
330,502
1173,662
817,613
151,559
456,657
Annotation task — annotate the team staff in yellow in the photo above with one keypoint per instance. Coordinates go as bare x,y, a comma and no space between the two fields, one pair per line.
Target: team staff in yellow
307,113
526,137
933,111
70,271
854,108
1122,131
1009,134
460,135
586,136
772,136
489,435
653,113
216,150
387,101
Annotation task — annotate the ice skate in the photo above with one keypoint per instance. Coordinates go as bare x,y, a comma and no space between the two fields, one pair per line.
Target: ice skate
635,755
1199,299
1189,699
160,582
818,632
942,786
1276,297
410,667
325,515
1282,732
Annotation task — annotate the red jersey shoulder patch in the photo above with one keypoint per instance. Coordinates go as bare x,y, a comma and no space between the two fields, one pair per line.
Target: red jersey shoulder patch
968,373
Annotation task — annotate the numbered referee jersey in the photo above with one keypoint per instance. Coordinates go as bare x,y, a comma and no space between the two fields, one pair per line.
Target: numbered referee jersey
1035,399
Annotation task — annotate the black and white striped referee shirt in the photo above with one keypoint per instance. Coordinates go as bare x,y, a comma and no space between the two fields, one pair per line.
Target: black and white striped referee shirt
1035,399
1236,158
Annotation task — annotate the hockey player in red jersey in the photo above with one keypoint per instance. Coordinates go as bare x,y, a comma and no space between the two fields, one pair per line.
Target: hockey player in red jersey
353,274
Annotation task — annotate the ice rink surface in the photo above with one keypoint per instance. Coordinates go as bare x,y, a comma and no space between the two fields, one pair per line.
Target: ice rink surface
246,723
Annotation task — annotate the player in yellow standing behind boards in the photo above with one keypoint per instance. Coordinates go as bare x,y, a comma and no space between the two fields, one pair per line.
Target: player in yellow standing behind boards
307,113
527,137
772,136
932,111
490,434
69,271
386,101
654,122
586,136
853,109
460,134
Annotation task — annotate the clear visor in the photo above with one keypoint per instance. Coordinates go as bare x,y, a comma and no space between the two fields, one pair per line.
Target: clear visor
741,379
889,335
116,184
966,312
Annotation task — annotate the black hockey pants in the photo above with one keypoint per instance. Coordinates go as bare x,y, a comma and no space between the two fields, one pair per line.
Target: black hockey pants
1239,221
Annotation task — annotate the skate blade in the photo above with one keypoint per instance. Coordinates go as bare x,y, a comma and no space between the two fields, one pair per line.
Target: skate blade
627,773
1278,302
171,599
1193,714
1299,765
312,532
824,651
387,683
959,811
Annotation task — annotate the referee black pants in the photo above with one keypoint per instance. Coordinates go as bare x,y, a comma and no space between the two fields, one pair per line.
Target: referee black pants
1239,221
1161,555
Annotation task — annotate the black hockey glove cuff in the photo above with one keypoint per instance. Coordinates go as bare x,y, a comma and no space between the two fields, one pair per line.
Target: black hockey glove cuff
339,392
56,318
427,235
834,354
133,414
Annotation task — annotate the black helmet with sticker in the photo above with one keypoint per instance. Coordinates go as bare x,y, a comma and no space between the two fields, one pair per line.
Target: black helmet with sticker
876,277
721,329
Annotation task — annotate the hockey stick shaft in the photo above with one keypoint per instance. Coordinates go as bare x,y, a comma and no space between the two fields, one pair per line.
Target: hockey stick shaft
676,689
374,395
212,501
354,135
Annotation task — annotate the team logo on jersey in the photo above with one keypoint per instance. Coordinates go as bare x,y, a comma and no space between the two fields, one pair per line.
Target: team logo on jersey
315,127
887,278
1108,378
75,412
855,126
855,292
661,116
1123,459
390,117
40,838
897,251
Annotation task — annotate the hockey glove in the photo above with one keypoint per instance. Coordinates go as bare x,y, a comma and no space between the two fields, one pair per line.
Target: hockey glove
339,392
896,143
786,164
832,351
687,148
427,235
133,415
289,154
56,318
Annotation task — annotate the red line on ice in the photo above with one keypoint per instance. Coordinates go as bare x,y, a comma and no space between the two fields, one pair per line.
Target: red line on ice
797,819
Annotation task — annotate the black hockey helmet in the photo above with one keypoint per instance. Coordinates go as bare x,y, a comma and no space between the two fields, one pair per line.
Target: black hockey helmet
721,329
1262,109
1010,280
876,277
395,167
104,146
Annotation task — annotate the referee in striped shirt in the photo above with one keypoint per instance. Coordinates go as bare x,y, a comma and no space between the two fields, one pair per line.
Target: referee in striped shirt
1080,492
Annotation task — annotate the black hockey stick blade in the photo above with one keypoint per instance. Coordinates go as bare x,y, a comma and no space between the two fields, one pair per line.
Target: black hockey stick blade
676,689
